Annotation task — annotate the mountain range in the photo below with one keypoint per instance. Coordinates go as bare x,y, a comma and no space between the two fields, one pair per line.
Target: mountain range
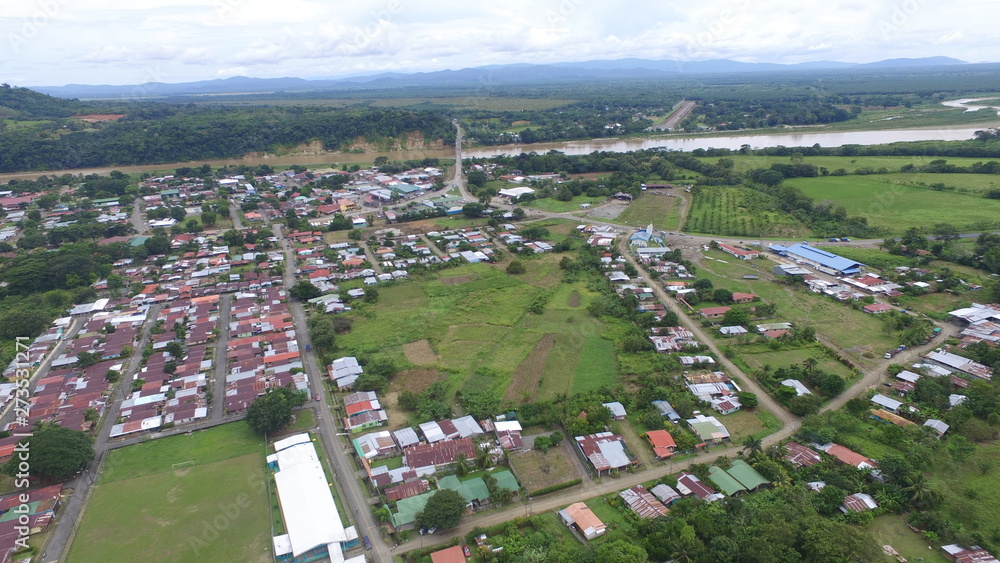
483,76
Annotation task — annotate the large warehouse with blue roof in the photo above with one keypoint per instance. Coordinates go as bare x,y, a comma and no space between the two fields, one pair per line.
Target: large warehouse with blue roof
820,259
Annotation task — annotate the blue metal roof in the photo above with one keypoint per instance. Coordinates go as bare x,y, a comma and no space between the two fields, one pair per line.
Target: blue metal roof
824,258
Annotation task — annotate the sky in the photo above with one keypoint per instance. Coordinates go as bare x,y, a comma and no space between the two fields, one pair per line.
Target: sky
57,42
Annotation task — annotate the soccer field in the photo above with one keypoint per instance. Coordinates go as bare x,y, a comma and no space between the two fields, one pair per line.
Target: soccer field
212,511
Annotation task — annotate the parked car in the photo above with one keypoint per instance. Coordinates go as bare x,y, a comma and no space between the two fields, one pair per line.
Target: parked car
833,239
466,551
845,239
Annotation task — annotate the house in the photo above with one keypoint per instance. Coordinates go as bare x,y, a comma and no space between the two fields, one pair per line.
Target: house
975,554
509,434
876,308
799,455
374,445
617,410
886,403
688,484
453,554
662,442
848,457
666,494
578,515
643,503
938,426
605,451
959,363
708,429
667,411
746,475
800,389
740,297
858,502
741,253
713,312
726,405
425,458
733,330
729,485
886,416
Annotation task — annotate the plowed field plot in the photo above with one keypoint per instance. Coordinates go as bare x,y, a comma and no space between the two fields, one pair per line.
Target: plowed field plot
527,374
420,353
455,280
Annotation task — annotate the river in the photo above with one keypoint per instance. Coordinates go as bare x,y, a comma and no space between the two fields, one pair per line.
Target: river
685,143
969,104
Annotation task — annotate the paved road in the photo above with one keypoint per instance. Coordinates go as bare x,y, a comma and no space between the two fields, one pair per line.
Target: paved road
343,467
140,224
459,179
219,383
43,367
69,515
234,212
748,383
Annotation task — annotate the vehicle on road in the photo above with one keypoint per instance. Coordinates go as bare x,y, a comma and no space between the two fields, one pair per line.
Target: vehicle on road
833,239
368,542
317,396
845,239
308,347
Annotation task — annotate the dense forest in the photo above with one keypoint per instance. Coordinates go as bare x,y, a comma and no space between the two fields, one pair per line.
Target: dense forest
153,133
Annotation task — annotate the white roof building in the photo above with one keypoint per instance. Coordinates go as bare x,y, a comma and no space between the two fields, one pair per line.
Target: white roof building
888,404
307,506
800,389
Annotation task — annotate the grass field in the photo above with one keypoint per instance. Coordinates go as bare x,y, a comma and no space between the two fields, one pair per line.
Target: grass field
738,211
553,205
746,162
860,335
536,470
663,211
214,510
898,207
890,529
475,316
784,358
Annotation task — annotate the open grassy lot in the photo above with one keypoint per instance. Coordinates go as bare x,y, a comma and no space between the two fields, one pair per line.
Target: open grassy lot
890,529
848,163
898,207
962,183
783,358
536,470
214,510
553,205
476,316
859,334
663,211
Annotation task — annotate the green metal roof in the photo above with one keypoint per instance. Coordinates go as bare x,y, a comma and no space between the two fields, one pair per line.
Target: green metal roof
506,480
725,481
473,489
747,475
408,508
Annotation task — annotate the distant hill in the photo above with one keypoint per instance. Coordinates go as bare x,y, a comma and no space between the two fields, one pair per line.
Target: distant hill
22,103
475,77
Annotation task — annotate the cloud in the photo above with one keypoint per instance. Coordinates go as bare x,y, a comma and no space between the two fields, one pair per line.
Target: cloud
109,54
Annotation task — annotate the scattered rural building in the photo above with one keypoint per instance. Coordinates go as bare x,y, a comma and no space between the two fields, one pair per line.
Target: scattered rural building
688,484
858,502
643,502
708,429
822,260
975,554
605,451
799,455
662,443
579,516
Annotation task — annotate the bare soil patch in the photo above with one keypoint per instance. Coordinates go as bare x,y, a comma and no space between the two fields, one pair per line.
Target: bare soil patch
420,353
574,300
608,211
526,376
455,280
415,380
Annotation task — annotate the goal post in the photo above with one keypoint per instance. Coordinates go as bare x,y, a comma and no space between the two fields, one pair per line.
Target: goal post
182,464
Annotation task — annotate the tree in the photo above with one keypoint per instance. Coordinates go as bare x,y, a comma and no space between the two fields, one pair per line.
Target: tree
272,411
620,551
112,376
472,210
87,359
355,234
736,317
921,494
55,453
723,295
752,447
443,510
748,399
516,268
208,218
702,284
304,291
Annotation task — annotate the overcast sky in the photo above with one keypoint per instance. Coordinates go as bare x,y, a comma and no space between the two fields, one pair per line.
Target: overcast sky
56,42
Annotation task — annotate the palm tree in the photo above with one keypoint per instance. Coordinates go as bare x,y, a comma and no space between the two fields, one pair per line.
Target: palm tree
483,458
752,446
809,364
460,466
920,491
